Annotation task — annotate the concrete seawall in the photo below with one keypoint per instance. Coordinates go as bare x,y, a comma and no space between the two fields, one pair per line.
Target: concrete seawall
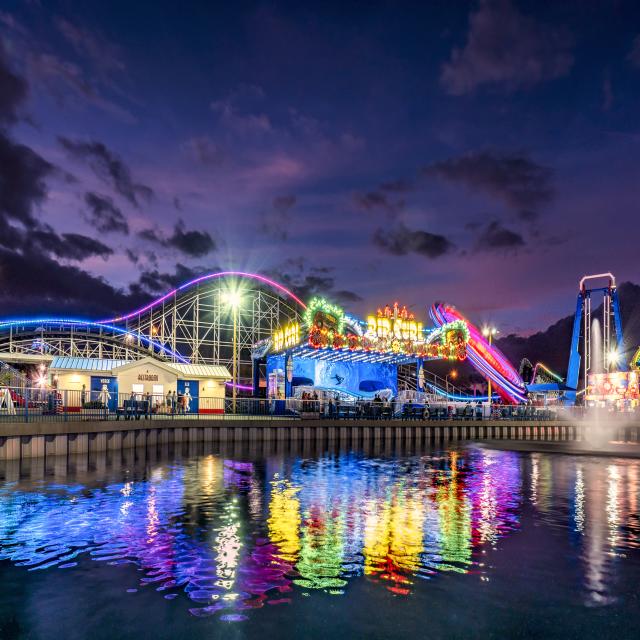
21,441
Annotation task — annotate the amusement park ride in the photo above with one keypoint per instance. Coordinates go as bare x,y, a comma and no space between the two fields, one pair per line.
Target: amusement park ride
193,324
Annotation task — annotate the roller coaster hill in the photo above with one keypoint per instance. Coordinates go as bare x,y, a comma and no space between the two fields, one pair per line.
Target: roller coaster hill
225,318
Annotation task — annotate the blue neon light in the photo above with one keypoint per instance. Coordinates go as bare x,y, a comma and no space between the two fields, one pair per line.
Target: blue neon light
88,323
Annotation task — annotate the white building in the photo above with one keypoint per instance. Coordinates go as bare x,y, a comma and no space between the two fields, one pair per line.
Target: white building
85,380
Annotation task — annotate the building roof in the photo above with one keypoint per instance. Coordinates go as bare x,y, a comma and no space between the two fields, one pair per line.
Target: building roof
200,371
84,364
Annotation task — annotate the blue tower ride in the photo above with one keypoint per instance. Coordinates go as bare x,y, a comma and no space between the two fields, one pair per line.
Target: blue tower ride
582,329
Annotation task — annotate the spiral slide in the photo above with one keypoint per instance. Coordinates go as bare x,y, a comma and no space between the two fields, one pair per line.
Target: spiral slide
486,358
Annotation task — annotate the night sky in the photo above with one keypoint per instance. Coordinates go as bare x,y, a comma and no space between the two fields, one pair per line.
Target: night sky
482,153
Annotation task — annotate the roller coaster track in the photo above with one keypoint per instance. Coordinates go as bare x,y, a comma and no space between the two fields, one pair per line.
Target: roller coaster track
190,323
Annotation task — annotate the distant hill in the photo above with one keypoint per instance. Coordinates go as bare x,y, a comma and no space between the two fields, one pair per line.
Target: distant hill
552,345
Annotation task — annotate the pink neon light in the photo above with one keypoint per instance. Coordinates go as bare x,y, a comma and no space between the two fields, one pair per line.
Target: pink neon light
489,356
209,276
243,387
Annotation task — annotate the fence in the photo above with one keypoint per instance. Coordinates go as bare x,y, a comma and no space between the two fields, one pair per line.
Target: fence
18,404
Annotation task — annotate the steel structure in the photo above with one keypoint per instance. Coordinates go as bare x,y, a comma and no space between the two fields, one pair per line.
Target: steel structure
26,340
582,327
197,323
191,323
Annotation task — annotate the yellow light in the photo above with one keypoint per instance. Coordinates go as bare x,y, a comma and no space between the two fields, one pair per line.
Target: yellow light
453,374
489,331
233,298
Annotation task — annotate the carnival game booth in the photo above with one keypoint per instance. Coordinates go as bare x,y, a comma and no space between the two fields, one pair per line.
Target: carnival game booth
333,362
113,385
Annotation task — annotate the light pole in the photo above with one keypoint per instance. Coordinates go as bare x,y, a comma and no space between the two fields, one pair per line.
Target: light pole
234,299
489,332
452,374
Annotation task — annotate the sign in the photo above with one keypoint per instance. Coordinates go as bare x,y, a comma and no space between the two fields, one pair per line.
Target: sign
614,386
395,322
286,337
148,377
104,390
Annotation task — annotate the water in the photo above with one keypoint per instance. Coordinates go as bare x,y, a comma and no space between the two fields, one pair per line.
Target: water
453,543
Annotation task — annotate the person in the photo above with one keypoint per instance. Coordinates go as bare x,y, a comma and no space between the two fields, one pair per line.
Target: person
83,396
169,400
187,400
133,404
147,400
174,402
180,403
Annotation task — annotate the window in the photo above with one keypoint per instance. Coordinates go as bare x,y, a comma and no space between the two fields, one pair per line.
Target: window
138,389
158,392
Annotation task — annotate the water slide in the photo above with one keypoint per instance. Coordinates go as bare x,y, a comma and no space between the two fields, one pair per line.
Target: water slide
486,358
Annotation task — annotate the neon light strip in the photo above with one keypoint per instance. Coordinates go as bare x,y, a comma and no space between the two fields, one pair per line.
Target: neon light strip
209,276
487,358
243,387
554,375
453,396
88,323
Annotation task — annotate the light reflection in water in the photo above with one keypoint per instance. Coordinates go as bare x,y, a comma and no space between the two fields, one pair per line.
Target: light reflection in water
233,536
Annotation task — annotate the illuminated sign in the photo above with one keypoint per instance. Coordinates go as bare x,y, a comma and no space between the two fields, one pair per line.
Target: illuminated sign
618,385
286,337
395,322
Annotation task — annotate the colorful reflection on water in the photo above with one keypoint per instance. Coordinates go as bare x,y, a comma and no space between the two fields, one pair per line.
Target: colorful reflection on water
236,535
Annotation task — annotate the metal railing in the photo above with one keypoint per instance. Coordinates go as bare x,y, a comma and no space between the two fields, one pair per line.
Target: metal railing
19,404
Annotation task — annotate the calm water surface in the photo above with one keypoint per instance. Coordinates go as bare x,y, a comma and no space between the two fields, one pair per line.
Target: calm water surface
453,543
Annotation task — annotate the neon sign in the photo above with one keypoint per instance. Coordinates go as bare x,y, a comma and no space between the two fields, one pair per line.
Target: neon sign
286,337
396,323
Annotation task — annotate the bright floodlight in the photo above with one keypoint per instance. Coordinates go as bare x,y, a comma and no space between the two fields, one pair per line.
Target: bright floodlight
614,356
232,298
489,331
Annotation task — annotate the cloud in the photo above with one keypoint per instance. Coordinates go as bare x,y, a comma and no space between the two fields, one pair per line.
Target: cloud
154,281
307,281
497,237
378,200
205,151
89,44
513,178
234,114
506,49
70,246
277,220
13,90
191,243
104,215
400,241
109,167
65,289
22,180
397,186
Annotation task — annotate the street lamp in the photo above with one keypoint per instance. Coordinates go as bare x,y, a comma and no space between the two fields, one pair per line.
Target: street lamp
233,299
489,332
453,374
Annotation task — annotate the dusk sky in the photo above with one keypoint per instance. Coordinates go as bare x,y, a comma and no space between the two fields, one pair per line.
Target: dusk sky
484,153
